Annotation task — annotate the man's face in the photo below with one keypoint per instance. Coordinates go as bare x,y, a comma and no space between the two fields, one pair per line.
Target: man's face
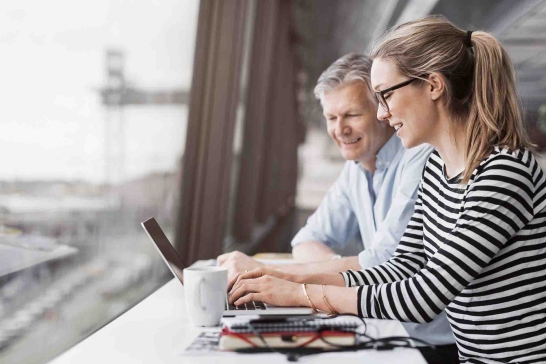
352,123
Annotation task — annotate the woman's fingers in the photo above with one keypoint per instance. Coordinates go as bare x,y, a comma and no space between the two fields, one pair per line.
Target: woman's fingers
241,282
255,273
266,289
244,288
237,280
232,282
255,296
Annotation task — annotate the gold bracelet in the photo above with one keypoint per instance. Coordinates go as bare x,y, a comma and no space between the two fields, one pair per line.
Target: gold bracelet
332,311
308,299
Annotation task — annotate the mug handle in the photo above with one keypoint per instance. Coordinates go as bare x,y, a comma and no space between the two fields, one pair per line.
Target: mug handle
197,295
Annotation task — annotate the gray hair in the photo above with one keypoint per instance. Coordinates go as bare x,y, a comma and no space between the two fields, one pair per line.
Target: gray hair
349,68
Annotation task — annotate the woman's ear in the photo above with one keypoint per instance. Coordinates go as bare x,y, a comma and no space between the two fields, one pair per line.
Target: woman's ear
437,85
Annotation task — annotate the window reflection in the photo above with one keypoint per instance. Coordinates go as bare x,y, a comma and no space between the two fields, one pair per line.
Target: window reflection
92,134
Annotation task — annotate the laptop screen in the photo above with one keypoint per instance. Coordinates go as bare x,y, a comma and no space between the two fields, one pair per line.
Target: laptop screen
166,250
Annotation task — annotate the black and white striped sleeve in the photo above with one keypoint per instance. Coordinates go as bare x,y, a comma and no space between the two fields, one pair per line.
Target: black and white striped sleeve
498,204
406,261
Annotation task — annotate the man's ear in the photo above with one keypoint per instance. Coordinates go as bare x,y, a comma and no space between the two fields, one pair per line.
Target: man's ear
436,85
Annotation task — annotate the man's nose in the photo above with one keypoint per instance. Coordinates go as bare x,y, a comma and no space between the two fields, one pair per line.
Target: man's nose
342,127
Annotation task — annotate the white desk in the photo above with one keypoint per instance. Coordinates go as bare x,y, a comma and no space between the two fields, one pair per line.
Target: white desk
158,330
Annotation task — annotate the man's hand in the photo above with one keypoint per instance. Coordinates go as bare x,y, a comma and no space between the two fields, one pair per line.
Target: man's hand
237,262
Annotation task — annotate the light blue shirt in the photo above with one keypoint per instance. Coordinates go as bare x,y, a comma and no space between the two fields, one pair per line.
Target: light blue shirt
376,210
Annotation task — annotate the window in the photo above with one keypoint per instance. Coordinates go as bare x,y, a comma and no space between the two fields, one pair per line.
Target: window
95,102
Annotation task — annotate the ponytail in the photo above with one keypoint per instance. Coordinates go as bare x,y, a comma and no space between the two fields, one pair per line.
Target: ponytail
495,117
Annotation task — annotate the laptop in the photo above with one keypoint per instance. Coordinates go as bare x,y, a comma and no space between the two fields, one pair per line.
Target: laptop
173,261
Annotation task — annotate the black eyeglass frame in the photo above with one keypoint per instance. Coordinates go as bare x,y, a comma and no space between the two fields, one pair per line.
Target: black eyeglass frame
379,95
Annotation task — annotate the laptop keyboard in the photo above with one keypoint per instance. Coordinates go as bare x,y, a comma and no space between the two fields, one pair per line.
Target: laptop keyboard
252,305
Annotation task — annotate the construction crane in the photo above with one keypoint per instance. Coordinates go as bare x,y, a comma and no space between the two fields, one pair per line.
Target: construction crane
116,94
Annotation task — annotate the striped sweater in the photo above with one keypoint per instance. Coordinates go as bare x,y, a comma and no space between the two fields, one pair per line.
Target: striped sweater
476,250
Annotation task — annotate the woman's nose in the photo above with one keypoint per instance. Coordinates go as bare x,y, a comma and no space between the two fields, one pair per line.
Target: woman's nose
382,114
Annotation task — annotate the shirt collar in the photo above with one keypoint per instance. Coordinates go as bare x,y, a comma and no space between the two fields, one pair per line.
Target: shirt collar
387,152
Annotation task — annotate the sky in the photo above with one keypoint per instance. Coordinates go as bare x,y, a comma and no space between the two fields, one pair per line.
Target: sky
52,62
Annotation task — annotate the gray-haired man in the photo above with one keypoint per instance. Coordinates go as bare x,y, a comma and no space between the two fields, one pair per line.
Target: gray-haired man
373,198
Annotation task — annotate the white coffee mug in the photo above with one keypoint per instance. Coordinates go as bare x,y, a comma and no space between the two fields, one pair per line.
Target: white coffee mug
205,290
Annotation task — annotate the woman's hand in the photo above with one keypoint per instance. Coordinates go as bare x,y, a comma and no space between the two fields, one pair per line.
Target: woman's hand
257,273
267,288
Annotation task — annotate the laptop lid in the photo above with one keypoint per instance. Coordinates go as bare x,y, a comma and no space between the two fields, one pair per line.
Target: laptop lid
164,247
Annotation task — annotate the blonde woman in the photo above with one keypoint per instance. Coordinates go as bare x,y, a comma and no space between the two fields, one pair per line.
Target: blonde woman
476,244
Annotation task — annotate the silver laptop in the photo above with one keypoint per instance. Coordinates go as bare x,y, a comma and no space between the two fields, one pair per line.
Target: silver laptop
173,261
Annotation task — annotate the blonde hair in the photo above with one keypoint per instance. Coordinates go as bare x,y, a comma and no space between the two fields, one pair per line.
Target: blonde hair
480,81
347,69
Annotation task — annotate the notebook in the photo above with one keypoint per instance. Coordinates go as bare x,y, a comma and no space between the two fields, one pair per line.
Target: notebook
300,324
288,333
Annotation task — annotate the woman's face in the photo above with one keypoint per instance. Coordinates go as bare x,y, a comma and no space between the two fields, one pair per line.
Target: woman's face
412,110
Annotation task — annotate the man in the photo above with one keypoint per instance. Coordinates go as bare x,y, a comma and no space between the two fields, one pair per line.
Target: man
373,198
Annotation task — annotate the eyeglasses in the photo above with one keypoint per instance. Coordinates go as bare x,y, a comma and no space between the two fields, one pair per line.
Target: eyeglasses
380,95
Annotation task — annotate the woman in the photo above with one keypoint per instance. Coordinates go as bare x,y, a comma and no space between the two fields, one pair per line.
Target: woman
476,244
